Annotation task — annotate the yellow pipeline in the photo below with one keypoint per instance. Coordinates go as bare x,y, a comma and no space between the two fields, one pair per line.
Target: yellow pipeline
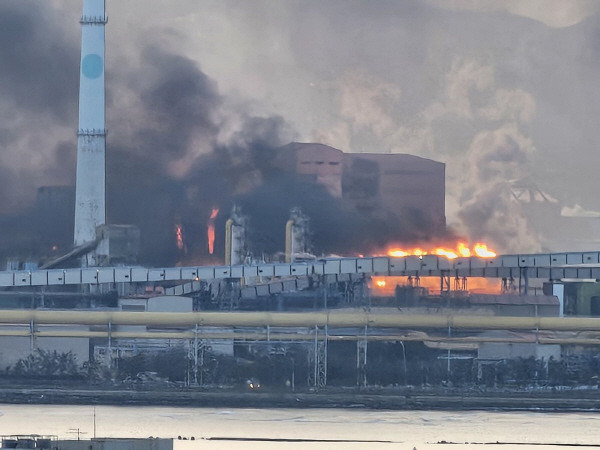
299,337
333,319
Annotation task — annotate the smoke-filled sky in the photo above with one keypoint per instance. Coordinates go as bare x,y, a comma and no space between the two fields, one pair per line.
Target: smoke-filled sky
499,90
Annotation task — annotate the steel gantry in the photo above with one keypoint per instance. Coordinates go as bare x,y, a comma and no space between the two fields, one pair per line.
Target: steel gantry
549,266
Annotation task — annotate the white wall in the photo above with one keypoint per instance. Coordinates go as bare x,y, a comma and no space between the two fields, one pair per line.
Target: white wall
14,348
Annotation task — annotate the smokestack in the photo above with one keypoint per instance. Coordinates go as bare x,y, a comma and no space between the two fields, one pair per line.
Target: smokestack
235,238
90,190
297,234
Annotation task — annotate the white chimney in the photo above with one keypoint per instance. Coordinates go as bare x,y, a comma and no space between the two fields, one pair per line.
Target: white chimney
90,190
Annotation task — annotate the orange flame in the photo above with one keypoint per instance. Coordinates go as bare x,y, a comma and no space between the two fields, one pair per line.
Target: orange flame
179,236
463,250
210,230
480,250
385,286
447,253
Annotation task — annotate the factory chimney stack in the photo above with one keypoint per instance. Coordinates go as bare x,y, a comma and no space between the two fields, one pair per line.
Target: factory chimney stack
297,235
235,237
90,190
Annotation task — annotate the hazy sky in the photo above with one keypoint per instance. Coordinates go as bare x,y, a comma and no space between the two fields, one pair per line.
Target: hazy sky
498,90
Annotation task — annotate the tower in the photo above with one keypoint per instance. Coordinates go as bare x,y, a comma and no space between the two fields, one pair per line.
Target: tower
90,190
297,235
235,237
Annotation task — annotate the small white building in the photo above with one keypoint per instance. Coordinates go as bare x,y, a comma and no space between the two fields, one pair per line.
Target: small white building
498,351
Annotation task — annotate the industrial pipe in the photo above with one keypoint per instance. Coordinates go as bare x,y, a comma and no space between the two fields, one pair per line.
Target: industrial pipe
333,319
303,337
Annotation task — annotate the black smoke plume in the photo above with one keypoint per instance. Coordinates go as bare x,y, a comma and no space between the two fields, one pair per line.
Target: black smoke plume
169,161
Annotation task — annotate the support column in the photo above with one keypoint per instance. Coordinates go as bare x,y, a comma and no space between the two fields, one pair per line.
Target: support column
523,281
317,358
361,361
444,282
31,336
109,344
201,350
322,361
508,286
460,283
414,281
196,355
449,353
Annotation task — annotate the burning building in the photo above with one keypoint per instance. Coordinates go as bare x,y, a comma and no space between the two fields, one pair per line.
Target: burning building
395,186
356,203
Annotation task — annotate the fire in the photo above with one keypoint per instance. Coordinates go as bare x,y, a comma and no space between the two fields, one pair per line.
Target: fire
210,230
179,235
443,252
385,286
461,249
482,251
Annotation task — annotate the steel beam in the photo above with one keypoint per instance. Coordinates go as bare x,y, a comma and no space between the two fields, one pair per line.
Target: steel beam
549,266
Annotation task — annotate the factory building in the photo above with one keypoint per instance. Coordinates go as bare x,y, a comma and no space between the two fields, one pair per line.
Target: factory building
402,186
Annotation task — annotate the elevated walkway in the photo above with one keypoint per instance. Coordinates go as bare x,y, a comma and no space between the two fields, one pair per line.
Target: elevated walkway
548,266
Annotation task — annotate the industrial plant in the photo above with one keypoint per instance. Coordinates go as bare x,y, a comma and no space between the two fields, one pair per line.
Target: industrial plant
311,267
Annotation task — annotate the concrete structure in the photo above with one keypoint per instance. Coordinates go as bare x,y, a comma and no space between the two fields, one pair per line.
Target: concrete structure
497,351
119,244
409,187
46,442
517,305
13,348
297,235
114,444
580,298
400,186
316,162
235,237
90,194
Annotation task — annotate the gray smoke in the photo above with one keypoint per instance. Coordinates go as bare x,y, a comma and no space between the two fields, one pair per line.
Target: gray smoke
498,93
38,108
427,78
489,211
37,61
175,152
